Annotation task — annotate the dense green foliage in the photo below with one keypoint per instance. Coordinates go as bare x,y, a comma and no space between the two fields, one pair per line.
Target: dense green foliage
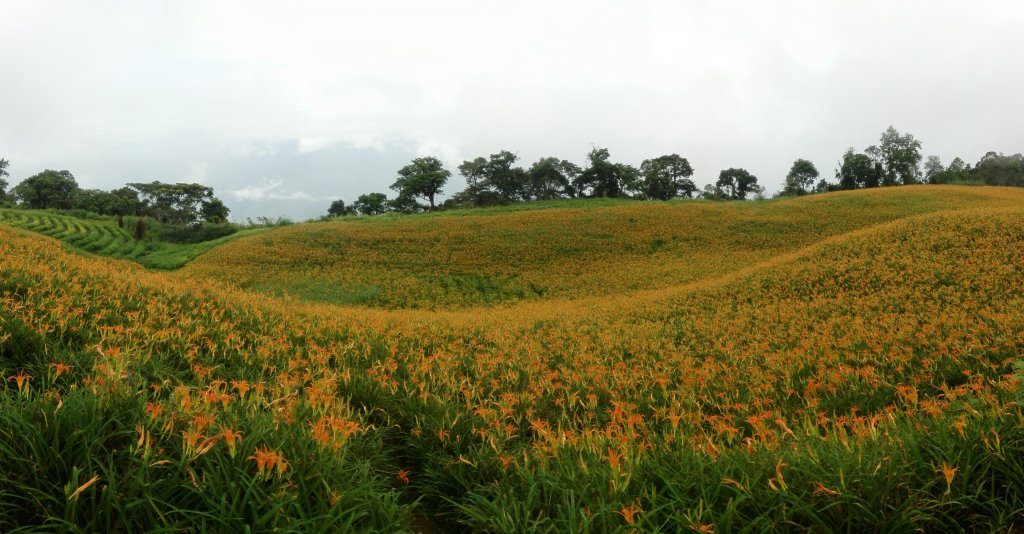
48,189
424,178
3,183
800,178
180,204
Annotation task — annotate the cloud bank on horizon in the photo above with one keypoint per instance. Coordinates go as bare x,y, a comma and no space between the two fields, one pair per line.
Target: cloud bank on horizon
284,107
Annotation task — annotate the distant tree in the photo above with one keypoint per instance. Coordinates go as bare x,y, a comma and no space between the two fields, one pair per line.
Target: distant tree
125,201
877,178
801,178
140,229
405,202
178,204
736,184
474,196
371,204
214,211
338,209
996,169
551,178
856,171
631,182
935,173
3,172
711,192
602,178
93,200
958,171
667,177
496,175
958,166
824,186
424,177
899,156
48,189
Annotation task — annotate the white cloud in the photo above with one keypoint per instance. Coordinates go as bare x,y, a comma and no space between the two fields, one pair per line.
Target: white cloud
265,88
197,172
268,190
308,145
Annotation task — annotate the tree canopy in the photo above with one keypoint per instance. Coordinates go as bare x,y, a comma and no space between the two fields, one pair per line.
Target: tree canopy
338,209
736,184
551,178
124,201
996,169
856,171
180,204
371,204
424,177
899,156
496,176
48,189
800,178
3,172
667,177
603,178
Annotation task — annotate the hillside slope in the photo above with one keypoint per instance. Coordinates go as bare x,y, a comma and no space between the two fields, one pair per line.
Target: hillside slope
103,237
484,258
870,379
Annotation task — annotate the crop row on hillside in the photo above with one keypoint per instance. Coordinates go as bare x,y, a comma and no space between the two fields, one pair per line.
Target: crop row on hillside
103,237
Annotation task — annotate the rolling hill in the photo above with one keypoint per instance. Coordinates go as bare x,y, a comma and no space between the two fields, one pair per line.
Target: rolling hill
563,250
846,359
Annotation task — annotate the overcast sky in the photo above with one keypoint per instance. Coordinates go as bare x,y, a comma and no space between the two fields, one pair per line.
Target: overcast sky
283,106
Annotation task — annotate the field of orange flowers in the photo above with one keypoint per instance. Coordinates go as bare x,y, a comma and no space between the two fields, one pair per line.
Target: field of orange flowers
488,257
849,360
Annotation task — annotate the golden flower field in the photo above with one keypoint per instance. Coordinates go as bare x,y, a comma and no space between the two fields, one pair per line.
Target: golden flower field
846,361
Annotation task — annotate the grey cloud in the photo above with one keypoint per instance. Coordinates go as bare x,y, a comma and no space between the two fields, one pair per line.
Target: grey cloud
328,99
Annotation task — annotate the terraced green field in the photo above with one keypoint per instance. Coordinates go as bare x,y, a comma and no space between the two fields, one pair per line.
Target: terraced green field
103,237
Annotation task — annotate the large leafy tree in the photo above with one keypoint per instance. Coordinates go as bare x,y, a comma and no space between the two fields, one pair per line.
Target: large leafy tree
3,172
371,204
496,175
736,184
123,201
801,178
856,171
551,178
424,177
958,170
214,211
180,203
899,156
934,171
667,177
338,209
996,169
405,202
48,189
603,178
